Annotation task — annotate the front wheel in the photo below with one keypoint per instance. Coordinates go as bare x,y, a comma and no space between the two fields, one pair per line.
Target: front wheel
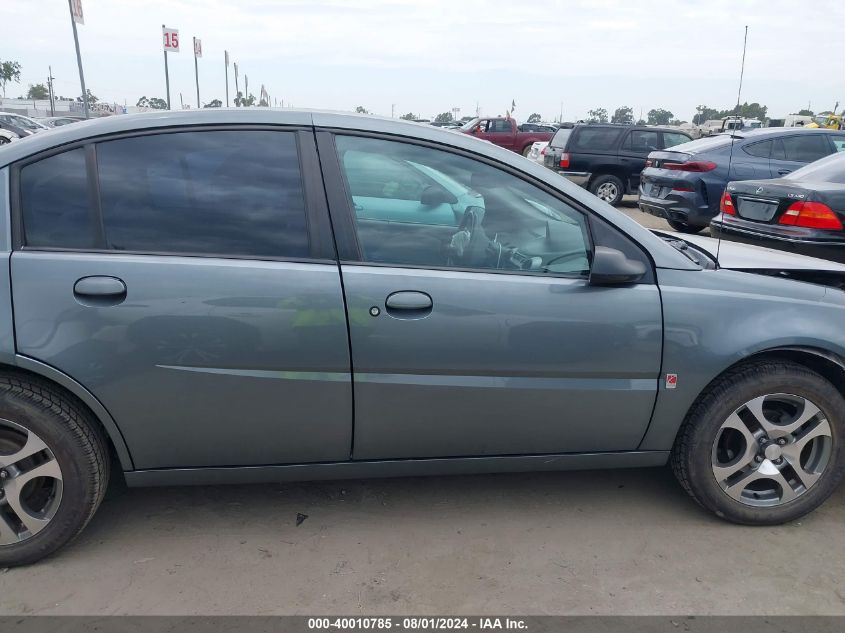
609,188
526,151
763,445
683,227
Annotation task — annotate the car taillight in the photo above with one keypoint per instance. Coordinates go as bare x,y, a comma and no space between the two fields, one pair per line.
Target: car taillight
685,188
543,152
564,160
726,205
811,215
693,165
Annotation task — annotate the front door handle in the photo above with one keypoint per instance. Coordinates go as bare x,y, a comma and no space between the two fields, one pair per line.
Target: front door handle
783,172
99,290
408,304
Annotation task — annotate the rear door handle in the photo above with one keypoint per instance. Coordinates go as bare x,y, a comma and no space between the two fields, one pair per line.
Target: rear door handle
783,172
99,290
408,304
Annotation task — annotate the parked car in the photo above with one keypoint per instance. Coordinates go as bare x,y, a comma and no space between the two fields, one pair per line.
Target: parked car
685,184
190,294
58,121
504,132
802,212
537,153
607,159
24,122
7,135
13,132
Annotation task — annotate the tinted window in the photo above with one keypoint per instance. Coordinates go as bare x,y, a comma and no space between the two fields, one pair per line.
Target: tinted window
223,192
560,138
670,139
500,125
828,169
641,141
802,149
481,217
760,150
596,138
838,143
55,202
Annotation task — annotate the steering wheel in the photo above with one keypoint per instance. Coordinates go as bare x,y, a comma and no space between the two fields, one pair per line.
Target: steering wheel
461,246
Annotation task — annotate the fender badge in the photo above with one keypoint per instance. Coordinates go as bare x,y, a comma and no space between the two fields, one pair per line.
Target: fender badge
671,381
759,190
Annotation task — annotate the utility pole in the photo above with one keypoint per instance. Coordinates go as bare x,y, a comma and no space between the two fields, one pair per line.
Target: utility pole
560,119
197,55
226,59
246,88
50,91
392,110
74,17
237,89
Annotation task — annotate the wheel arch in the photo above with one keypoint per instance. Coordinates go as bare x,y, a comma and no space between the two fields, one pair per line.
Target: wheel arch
829,365
26,366
608,170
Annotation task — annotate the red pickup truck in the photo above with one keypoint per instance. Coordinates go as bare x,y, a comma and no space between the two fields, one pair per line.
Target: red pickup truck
505,133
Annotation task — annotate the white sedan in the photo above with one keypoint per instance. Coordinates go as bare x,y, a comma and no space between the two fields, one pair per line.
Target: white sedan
538,151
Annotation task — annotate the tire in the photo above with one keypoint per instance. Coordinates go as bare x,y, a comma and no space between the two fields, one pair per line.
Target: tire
526,151
4,140
74,460
683,227
753,495
609,188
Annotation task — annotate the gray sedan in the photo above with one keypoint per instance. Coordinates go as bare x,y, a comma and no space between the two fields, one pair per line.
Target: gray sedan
231,296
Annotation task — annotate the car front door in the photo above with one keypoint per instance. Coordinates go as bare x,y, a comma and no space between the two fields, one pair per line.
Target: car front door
186,280
796,150
486,338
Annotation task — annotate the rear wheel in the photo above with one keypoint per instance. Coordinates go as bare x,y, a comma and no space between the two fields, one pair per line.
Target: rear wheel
764,445
54,469
683,227
526,151
609,188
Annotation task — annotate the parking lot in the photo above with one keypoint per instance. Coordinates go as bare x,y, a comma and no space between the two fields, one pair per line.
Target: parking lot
610,542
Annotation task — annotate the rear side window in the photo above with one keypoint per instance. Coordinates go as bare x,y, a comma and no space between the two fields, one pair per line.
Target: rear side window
641,141
760,150
208,192
670,139
801,149
57,211
838,143
500,125
596,139
560,138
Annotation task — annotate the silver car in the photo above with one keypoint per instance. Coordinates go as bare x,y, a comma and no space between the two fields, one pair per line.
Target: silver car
230,296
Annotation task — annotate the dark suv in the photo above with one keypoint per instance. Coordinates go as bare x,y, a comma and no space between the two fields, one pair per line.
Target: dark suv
607,159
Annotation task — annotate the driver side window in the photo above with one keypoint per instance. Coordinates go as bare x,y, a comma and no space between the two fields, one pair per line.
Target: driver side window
420,206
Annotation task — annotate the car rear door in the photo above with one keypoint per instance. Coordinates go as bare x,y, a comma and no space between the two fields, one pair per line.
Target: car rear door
791,152
187,279
464,344
634,151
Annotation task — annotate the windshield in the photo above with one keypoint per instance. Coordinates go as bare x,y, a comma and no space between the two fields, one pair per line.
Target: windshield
470,124
21,121
828,169
821,119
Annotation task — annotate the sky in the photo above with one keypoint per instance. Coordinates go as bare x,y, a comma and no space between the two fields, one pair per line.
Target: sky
430,56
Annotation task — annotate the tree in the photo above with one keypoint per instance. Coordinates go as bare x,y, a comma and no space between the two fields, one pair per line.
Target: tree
805,112
444,117
243,102
534,118
641,122
409,117
597,115
214,103
659,116
38,91
361,110
154,103
705,113
625,114
9,71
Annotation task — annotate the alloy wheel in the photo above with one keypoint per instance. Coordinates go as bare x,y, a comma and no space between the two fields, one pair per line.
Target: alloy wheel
30,483
607,191
771,450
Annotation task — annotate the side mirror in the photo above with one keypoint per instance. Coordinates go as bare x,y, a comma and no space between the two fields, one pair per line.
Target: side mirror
434,195
611,267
